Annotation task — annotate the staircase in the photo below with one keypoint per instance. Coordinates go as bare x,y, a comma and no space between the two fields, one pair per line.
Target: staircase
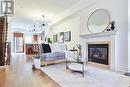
4,51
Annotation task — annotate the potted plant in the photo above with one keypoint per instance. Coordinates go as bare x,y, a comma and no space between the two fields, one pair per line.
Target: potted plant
48,40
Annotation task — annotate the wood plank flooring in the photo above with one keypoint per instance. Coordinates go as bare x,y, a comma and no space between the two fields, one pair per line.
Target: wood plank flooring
21,74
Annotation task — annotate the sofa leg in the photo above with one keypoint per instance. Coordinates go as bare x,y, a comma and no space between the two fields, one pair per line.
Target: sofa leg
45,64
42,65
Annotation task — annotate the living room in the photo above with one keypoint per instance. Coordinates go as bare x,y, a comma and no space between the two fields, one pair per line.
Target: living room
54,31
76,22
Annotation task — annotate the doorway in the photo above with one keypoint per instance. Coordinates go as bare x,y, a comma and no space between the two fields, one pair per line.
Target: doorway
18,43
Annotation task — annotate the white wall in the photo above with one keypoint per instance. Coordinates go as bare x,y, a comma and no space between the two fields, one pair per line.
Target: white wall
129,49
129,34
119,14
70,25
9,29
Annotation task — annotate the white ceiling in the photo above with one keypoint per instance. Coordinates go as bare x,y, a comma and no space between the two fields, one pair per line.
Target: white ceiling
28,10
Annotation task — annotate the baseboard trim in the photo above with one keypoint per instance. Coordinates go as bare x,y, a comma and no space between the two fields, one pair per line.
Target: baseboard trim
122,69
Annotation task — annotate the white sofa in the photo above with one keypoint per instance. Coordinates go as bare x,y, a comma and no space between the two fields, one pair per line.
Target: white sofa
57,53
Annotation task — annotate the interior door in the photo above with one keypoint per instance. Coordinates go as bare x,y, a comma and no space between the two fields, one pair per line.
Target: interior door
18,43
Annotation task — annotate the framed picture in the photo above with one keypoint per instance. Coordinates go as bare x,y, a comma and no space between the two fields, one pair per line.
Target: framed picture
67,36
55,38
61,37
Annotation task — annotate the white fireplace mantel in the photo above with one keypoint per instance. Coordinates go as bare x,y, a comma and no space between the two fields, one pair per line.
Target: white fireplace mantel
101,34
108,36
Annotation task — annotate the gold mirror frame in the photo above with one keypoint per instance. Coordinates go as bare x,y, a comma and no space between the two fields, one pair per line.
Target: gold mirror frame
91,16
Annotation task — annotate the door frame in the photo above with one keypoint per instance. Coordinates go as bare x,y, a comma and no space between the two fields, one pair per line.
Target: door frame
15,34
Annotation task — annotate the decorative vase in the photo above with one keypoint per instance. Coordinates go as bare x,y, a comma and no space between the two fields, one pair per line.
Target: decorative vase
112,25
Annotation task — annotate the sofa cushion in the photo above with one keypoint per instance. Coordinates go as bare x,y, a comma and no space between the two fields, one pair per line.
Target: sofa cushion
57,47
46,48
54,55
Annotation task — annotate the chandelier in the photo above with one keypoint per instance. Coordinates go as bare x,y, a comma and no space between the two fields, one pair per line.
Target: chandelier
39,26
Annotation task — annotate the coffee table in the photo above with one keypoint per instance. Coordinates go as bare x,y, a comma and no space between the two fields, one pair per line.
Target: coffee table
75,63
79,65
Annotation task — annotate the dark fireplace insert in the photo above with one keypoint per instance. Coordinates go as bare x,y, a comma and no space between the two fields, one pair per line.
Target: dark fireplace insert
98,53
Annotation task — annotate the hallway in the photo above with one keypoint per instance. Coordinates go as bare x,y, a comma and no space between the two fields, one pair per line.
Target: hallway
21,74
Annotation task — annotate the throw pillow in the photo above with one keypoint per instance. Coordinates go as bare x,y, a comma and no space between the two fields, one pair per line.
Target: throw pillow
46,48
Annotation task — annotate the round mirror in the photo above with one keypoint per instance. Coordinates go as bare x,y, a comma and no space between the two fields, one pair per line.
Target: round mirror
98,21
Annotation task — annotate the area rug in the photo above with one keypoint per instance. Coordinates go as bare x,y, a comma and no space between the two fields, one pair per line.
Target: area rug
94,77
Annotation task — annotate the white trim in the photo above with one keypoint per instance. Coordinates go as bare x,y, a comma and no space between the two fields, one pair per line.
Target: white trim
122,69
101,34
108,38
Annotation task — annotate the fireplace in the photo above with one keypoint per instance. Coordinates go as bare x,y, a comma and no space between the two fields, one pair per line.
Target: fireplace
98,53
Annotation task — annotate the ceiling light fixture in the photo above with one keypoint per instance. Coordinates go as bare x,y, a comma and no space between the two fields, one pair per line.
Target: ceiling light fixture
39,26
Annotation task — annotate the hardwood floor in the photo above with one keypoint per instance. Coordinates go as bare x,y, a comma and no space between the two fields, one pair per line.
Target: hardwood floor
21,74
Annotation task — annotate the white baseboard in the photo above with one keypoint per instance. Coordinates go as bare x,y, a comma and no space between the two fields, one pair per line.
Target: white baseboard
122,69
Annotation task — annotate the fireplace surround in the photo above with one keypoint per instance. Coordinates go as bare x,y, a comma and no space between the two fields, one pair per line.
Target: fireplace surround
98,53
110,38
